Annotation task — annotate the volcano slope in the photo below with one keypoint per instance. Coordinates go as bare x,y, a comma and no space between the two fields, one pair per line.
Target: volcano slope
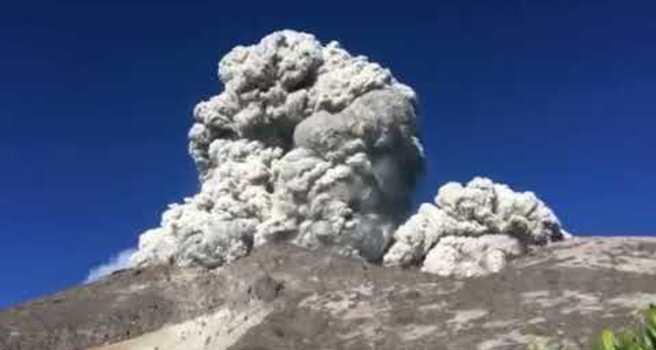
286,297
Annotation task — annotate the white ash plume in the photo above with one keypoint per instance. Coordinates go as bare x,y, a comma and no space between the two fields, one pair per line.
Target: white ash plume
473,230
310,145
305,145
117,262
463,256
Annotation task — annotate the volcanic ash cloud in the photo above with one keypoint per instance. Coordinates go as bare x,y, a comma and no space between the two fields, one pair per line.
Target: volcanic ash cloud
310,145
473,230
306,144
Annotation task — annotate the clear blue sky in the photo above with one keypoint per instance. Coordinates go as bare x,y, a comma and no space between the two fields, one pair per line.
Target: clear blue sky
554,96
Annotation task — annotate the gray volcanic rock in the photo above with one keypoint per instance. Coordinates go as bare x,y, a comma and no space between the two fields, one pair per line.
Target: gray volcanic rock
286,297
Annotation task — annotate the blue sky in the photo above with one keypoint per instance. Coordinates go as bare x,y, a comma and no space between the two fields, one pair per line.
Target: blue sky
556,96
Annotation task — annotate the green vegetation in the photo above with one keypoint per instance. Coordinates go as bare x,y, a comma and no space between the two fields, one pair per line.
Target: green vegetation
643,338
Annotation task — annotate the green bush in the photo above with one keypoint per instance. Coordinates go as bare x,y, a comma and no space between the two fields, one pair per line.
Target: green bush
644,338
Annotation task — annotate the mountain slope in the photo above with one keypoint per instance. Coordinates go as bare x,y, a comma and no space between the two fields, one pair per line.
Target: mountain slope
285,297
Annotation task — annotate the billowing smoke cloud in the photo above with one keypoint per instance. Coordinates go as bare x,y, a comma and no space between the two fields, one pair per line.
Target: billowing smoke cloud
118,262
306,144
310,145
473,230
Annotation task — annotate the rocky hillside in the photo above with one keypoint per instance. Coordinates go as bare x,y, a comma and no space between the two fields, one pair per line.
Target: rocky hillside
285,297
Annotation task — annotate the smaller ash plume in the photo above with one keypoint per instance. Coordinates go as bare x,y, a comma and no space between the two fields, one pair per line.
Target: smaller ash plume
118,262
473,230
